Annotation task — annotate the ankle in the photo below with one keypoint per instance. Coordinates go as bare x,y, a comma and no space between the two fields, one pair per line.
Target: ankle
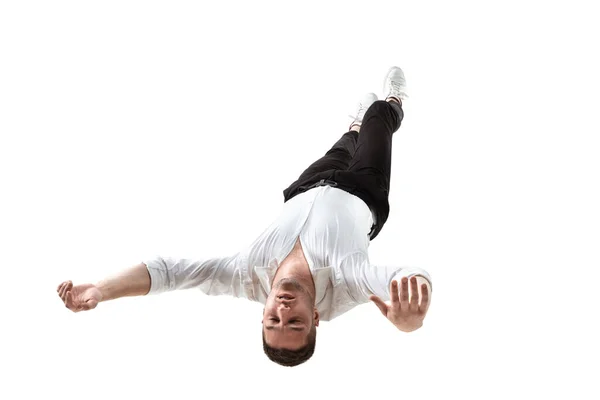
355,127
393,99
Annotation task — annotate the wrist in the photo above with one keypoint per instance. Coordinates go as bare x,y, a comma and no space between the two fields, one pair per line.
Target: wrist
105,290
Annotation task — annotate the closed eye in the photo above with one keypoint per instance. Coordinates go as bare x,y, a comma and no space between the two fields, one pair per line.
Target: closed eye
293,321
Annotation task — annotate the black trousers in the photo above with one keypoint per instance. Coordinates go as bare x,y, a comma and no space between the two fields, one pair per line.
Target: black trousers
359,164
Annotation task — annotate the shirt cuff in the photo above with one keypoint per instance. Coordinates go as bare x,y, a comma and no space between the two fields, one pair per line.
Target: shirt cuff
413,271
158,276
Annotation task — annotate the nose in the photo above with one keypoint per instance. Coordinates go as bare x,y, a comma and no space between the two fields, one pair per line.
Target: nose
283,307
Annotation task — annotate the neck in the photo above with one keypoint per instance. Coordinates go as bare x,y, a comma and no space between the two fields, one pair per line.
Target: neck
295,266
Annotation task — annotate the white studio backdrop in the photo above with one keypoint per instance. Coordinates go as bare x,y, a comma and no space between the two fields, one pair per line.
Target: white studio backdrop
133,129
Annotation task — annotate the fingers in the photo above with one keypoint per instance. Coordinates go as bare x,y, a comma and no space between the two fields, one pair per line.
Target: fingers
69,301
414,295
380,304
394,293
65,287
404,293
424,299
60,288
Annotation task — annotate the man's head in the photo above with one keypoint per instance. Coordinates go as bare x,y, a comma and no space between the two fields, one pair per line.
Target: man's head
290,322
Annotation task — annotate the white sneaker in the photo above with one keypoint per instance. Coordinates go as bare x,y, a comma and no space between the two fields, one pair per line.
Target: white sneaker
362,108
395,84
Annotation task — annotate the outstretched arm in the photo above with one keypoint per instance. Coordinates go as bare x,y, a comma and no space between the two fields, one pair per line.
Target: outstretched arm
134,281
215,276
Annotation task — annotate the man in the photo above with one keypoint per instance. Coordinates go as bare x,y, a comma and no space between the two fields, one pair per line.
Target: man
312,263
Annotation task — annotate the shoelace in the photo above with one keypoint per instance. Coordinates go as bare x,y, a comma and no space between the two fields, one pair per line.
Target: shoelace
361,109
397,88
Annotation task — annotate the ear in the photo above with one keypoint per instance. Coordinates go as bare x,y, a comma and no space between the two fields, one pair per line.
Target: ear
317,316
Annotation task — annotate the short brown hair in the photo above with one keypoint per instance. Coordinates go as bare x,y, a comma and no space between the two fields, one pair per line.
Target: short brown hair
291,358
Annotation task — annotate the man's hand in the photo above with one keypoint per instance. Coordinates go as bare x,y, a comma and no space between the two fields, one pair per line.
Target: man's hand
406,314
79,298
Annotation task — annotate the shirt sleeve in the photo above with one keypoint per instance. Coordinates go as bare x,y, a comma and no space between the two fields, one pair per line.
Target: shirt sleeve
213,276
364,279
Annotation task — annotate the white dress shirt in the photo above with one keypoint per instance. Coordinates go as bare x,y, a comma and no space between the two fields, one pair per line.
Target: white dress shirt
332,226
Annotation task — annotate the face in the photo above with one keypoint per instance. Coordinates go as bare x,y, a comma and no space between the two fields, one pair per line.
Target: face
288,315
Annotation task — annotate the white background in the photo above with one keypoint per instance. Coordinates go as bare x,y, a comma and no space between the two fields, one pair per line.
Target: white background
131,129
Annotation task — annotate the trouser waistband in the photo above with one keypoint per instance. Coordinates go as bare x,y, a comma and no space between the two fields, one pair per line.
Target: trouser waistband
324,182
